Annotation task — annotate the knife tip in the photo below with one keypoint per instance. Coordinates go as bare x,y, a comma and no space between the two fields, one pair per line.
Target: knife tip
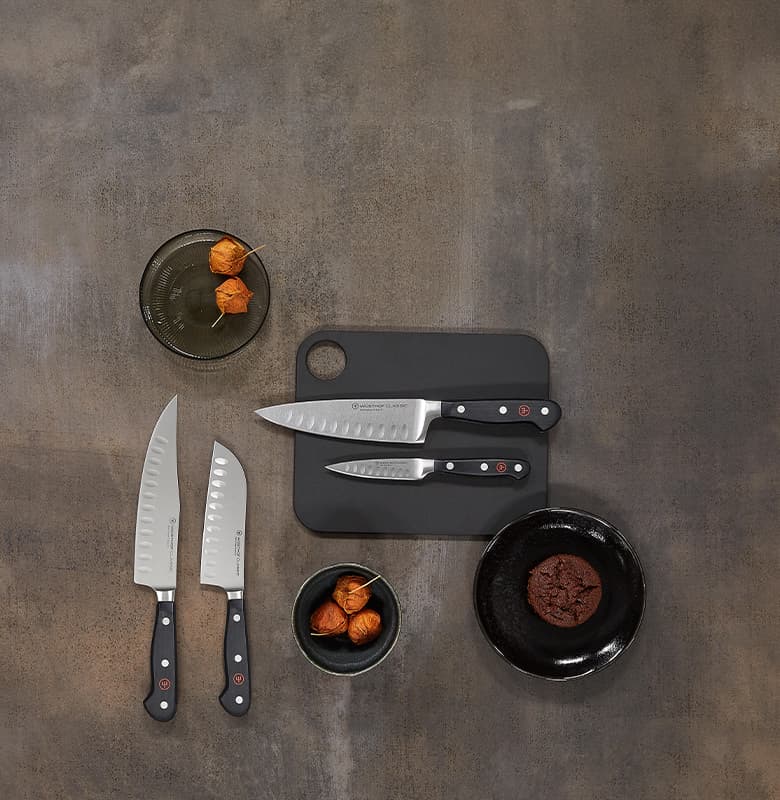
342,468
267,412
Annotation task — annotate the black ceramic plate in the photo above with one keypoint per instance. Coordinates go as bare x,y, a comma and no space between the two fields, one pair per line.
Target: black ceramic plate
336,654
527,641
178,302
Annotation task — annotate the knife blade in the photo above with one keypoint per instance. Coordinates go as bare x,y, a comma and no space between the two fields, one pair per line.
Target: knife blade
417,469
222,565
156,543
402,421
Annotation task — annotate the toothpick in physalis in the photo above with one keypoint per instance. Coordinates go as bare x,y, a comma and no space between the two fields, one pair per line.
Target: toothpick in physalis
358,588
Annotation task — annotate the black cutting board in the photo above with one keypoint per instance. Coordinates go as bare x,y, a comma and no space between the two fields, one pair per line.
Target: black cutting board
434,366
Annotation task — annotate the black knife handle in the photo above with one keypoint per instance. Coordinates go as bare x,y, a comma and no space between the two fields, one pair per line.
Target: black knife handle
237,696
542,413
484,467
161,700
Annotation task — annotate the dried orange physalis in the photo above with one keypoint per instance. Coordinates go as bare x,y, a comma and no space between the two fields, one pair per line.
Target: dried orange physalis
227,257
233,296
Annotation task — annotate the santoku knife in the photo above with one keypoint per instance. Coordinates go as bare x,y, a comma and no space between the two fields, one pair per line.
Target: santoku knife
156,541
222,565
402,421
415,469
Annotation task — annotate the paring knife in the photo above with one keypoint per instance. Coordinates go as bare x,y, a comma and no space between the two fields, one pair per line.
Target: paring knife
416,469
156,541
402,421
222,565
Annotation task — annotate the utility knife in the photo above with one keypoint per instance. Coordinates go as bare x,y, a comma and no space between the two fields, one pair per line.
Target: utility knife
416,469
156,542
402,421
222,564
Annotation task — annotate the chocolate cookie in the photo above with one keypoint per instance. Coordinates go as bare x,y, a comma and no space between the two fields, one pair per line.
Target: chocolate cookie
564,590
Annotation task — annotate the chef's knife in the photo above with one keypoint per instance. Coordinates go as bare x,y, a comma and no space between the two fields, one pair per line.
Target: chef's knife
416,469
402,421
222,565
156,540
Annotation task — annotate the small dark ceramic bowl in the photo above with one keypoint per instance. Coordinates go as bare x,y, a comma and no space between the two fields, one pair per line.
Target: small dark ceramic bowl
336,654
178,301
524,639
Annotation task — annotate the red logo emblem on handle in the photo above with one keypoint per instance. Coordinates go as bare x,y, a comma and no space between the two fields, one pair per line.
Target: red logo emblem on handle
501,467
524,410
238,679
164,684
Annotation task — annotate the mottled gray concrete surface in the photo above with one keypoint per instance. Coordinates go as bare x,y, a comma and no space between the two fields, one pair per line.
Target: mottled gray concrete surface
602,173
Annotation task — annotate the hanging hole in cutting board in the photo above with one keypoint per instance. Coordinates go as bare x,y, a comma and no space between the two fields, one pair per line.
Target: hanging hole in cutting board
326,360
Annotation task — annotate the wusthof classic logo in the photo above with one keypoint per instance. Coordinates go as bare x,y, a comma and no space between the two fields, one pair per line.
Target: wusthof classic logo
237,550
172,545
378,406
